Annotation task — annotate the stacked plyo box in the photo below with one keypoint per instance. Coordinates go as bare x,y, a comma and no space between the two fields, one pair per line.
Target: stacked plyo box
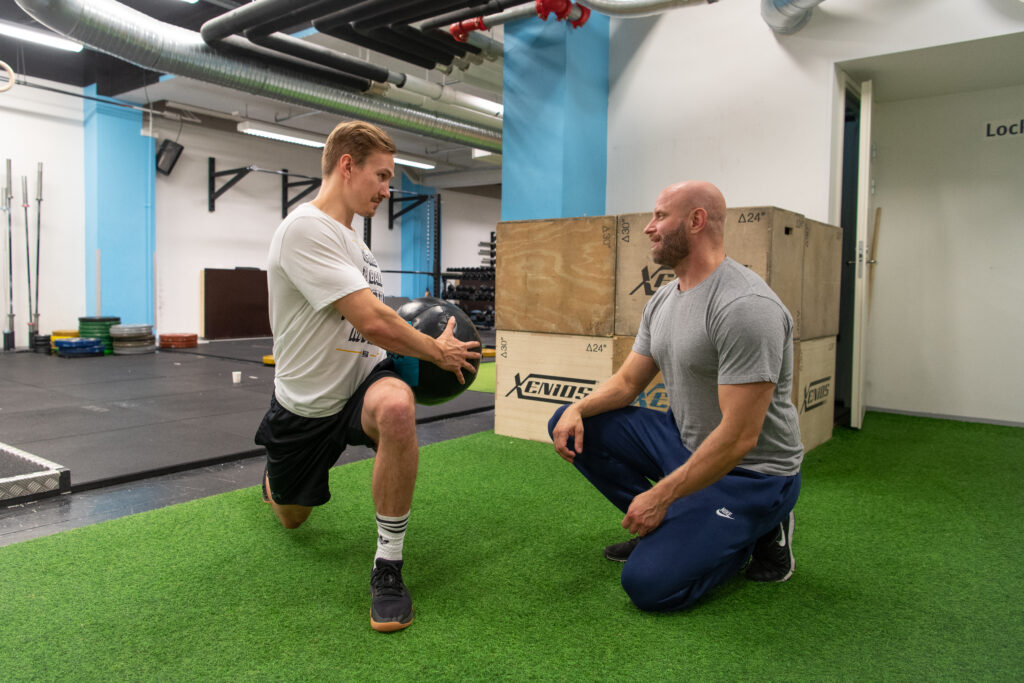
801,261
570,294
555,320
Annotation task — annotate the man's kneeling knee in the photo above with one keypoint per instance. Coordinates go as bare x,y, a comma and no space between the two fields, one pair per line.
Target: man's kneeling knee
651,595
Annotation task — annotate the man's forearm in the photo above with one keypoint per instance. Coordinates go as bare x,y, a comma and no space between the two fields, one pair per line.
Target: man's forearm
714,458
611,395
389,331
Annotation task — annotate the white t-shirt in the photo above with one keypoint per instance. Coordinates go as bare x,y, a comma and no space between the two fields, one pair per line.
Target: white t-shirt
319,358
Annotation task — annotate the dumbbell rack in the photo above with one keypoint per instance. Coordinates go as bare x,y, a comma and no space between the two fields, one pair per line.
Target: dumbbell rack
472,288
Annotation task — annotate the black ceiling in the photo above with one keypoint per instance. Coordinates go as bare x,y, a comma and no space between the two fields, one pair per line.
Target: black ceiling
112,76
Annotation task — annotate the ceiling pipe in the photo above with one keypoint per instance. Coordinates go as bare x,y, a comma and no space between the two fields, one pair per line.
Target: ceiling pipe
564,10
373,41
357,12
436,91
787,16
391,13
134,37
320,55
490,49
250,15
461,30
296,19
492,7
637,8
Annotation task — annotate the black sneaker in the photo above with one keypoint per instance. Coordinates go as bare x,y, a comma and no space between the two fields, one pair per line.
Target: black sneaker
390,604
772,559
620,552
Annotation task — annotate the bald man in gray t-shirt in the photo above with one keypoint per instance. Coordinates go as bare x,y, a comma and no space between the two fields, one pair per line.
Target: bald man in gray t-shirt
725,459
730,329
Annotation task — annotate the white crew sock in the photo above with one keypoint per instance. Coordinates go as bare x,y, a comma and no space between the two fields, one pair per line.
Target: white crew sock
390,536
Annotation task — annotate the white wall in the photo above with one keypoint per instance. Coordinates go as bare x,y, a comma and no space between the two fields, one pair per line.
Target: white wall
238,232
40,126
189,238
946,324
709,91
466,220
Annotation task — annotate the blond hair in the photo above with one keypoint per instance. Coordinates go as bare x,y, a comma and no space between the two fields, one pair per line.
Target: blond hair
358,139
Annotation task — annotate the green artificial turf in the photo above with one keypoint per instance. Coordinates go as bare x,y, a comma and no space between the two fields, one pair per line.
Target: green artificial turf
484,381
908,544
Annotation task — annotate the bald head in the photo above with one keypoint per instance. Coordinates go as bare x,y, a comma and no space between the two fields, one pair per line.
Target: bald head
689,195
686,228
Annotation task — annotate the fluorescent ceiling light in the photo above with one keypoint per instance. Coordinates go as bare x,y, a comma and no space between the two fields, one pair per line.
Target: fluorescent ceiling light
267,130
414,163
39,37
298,137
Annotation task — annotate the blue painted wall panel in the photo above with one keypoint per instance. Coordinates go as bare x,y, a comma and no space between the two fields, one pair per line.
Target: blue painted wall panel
120,212
555,131
417,241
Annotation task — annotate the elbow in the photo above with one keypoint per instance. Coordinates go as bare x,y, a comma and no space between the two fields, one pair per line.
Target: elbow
375,332
742,444
747,444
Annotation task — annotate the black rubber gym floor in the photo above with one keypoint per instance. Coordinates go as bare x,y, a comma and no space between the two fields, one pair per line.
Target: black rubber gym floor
113,419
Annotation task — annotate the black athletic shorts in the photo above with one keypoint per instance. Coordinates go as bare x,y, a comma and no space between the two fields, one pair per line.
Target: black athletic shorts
301,450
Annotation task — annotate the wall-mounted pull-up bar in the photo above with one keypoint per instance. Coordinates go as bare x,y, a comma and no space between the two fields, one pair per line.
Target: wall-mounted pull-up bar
307,184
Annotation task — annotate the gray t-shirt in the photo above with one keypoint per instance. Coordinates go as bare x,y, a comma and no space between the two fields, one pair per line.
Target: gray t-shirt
729,329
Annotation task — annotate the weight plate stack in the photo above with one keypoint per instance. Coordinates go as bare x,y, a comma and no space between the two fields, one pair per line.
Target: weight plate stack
130,331
74,347
133,350
132,339
41,343
99,327
60,334
135,345
179,341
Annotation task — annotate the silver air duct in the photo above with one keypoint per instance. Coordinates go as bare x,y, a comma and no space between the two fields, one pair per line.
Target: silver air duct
787,16
120,31
783,16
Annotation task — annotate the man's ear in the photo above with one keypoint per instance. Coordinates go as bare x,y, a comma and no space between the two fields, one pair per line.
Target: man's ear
345,165
698,219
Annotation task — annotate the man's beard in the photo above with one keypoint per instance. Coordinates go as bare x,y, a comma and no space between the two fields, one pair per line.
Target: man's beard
674,248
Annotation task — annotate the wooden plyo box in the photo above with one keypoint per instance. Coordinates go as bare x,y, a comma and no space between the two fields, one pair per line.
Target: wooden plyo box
771,242
823,272
814,374
637,277
556,276
538,372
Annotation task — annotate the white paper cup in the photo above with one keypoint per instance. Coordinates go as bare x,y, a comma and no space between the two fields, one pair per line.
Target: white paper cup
236,376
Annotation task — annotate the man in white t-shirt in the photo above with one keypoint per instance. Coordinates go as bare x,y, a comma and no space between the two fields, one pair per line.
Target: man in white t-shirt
333,382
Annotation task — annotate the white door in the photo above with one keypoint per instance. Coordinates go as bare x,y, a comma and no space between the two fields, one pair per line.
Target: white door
864,219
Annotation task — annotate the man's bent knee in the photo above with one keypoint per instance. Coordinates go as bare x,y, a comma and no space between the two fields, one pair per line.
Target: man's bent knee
292,516
651,593
389,406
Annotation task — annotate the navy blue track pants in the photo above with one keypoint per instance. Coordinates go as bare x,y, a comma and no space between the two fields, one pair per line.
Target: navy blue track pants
705,537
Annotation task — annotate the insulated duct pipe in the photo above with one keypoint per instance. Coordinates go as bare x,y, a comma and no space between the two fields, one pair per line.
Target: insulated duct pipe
253,14
787,16
130,35
637,8
492,7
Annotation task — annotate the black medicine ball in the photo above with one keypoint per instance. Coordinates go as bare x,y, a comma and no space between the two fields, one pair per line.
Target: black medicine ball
430,384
